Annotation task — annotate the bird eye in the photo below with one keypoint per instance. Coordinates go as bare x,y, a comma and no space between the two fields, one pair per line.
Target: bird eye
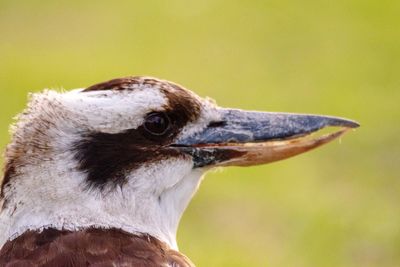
157,123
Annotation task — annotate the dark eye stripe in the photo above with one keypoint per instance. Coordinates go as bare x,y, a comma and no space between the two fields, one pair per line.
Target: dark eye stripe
107,158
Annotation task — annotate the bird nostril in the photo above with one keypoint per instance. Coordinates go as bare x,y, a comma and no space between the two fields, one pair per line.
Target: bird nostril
215,124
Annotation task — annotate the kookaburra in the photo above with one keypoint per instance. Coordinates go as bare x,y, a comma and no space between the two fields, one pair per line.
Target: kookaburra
101,176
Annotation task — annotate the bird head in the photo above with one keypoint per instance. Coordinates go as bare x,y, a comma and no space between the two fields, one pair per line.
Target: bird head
131,152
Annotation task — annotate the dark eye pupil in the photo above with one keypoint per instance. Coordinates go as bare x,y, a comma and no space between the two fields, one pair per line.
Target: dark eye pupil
157,123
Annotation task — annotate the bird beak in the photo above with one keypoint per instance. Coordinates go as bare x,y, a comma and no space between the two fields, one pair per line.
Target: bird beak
244,138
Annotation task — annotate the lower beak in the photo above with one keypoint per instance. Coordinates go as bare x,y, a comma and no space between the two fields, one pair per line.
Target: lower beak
243,138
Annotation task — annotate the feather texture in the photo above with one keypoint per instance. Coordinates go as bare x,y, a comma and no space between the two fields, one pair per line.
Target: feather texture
90,247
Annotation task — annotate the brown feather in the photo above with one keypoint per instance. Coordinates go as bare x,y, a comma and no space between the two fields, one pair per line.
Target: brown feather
90,247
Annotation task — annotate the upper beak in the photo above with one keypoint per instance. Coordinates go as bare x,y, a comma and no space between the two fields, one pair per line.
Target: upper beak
243,138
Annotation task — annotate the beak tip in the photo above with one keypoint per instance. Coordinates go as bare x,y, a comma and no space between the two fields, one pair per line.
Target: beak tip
352,124
342,123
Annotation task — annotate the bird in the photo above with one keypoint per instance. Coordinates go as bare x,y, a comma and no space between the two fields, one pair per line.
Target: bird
101,176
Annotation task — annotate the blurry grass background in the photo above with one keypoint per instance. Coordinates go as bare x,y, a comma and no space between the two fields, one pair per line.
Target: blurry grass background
336,206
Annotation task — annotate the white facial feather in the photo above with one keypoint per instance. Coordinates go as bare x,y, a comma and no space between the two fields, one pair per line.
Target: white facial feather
209,113
49,190
111,112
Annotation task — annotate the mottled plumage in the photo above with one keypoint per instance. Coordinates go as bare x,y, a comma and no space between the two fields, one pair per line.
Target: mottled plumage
89,247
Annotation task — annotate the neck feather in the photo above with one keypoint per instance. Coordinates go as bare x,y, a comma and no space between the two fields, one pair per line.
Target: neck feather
35,202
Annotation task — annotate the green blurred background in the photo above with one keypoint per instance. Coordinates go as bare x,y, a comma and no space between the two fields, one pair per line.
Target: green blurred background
336,206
